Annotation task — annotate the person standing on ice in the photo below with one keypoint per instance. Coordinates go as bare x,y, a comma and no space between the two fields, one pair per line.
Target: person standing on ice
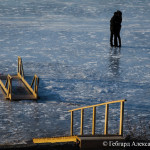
115,27
112,28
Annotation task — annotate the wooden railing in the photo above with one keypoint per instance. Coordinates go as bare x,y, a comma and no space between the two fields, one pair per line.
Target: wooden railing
35,80
7,87
94,117
20,71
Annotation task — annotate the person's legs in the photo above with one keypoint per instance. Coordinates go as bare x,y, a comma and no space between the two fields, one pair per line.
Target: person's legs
119,38
111,37
115,40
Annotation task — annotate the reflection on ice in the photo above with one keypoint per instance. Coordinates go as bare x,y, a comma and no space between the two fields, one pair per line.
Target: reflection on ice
114,60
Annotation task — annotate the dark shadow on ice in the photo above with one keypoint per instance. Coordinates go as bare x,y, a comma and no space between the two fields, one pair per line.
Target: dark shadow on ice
44,93
114,60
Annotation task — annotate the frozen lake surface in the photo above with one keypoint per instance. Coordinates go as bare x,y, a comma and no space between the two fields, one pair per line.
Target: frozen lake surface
66,43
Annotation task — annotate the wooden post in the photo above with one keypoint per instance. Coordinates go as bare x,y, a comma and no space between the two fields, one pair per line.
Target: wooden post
10,88
71,128
9,93
93,123
32,81
20,67
22,71
82,118
35,85
18,64
106,119
121,118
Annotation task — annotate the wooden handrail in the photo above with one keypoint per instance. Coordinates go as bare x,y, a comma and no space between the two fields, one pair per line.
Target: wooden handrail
35,80
94,116
7,87
117,101
20,67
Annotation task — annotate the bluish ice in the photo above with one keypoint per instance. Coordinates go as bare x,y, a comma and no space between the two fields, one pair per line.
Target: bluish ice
66,43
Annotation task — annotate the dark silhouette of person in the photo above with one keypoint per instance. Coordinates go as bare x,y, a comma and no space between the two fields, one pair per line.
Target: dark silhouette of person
115,27
112,28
